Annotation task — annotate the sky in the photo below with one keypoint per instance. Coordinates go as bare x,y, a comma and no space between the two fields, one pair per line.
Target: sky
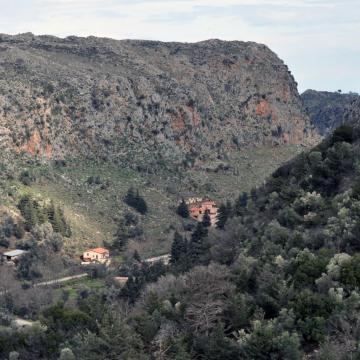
318,39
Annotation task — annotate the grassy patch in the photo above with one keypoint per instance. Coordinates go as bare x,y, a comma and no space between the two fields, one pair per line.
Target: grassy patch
91,194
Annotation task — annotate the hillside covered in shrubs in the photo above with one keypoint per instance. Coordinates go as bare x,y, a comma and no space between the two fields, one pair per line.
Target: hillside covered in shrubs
278,279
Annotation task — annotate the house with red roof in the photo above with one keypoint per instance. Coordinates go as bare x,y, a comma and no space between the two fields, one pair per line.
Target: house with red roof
99,254
199,209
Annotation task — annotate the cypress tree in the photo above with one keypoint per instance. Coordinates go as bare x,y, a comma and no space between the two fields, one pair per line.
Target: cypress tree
136,256
140,204
134,200
241,204
130,197
222,216
198,246
183,209
177,248
206,221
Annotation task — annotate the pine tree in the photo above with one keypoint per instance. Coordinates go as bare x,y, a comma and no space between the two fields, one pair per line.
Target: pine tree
241,204
121,238
198,246
136,256
206,221
177,248
183,209
134,200
222,216
130,197
140,204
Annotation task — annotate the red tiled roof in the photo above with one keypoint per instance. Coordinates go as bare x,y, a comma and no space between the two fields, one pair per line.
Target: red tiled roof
99,250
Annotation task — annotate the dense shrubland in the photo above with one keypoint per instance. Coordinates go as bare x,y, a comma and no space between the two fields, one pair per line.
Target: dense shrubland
278,279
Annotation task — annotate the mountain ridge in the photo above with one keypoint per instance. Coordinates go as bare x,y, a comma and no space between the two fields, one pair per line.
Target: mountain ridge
180,102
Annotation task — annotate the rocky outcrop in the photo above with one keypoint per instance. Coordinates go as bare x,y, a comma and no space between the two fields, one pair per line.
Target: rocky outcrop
144,102
352,114
327,109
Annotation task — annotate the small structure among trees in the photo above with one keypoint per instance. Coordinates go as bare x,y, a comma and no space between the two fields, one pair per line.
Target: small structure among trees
12,256
204,208
100,255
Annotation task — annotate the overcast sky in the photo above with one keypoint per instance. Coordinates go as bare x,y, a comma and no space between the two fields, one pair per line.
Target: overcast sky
318,39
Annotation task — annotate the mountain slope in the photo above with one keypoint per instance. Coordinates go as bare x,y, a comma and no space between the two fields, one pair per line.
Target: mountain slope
327,109
142,102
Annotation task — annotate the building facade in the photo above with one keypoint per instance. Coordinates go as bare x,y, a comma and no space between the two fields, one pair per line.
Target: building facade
198,210
100,255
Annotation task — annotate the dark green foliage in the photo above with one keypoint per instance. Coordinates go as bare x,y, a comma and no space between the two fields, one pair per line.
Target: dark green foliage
134,199
266,342
136,256
35,213
94,180
356,188
206,221
224,213
140,276
307,267
64,320
241,204
350,272
26,177
183,209
217,346
179,253
128,228
56,218
178,248
199,246
343,133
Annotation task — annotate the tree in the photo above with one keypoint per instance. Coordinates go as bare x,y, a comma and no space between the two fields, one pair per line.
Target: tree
241,204
183,209
141,205
222,216
178,248
134,199
206,221
136,256
198,246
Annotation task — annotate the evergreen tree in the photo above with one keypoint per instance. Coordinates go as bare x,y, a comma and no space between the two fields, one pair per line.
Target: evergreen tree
136,256
134,200
254,195
130,197
121,238
183,209
198,246
206,221
131,289
140,204
241,204
177,248
222,216
56,218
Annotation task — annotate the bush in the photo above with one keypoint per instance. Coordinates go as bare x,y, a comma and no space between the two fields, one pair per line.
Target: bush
134,200
343,133
183,209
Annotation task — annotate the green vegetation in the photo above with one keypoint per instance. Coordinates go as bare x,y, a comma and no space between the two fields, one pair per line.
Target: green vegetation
183,209
227,293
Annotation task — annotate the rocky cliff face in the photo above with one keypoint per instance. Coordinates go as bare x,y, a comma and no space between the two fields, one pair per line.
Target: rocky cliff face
327,109
352,115
144,102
